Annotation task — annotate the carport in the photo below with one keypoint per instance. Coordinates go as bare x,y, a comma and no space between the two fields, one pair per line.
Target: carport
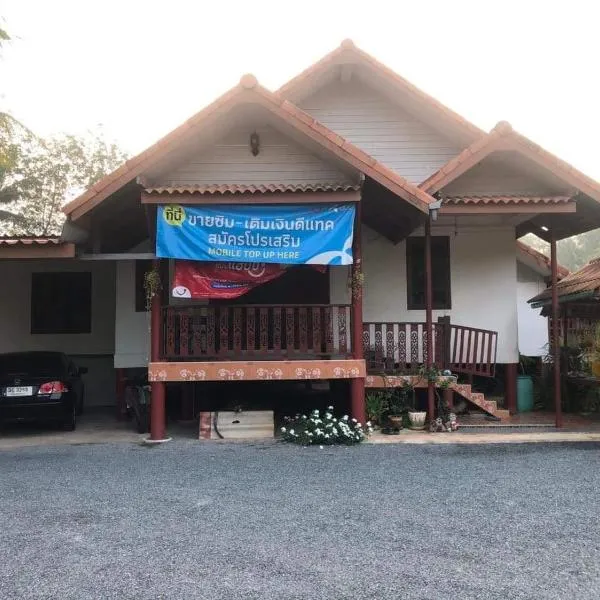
53,300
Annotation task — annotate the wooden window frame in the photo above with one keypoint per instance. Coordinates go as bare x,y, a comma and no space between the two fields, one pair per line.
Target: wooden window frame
37,279
436,245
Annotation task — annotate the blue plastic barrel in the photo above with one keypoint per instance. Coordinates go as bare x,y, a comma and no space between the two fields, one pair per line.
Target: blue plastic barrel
524,393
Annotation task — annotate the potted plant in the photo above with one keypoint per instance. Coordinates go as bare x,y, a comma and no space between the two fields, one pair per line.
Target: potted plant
374,408
392,412
591,350
417,417
396,410
446,419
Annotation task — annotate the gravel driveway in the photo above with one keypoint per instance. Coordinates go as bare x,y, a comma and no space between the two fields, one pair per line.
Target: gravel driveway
190,520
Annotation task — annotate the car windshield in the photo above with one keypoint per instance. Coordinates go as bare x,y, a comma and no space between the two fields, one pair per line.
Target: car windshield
31,364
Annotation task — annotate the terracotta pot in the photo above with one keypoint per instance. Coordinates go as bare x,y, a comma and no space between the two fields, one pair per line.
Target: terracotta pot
396,421
417,419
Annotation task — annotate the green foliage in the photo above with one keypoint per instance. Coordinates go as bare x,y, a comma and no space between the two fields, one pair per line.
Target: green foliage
152,286
324,430
374,406
574,252
37,176
392,401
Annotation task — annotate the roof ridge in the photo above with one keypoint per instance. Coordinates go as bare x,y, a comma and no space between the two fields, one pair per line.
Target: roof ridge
350,48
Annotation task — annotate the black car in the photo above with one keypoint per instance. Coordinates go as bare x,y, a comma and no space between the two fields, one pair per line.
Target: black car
40,386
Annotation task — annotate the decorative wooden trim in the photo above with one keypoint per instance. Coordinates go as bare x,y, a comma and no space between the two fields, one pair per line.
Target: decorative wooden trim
257,198
22,251
256,370
502,209
393,381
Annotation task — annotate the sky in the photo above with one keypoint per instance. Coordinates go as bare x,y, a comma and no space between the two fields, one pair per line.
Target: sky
140,67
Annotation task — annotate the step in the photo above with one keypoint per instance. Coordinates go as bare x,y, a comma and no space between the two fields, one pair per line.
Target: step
503,414
465,390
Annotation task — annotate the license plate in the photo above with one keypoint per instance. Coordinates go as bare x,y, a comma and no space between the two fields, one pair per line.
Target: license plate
19,391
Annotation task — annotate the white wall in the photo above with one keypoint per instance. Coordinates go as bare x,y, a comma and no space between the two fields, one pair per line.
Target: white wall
381,128
93,350
280,160
533,328
483,283
15,316
494,177
132,335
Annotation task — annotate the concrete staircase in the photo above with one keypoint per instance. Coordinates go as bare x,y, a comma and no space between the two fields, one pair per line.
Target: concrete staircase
478,399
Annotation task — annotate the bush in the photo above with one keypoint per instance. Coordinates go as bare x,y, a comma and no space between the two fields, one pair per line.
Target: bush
324,430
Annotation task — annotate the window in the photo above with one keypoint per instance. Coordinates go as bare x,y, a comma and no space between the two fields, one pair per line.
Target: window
61,302
440,272
141,268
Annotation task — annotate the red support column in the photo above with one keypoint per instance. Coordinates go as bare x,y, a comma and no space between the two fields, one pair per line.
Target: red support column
429,318
565,328
510,387
357,385
157,407
555,334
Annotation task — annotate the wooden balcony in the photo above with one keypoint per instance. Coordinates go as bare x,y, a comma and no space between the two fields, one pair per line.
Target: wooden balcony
307,342
288,332
256,332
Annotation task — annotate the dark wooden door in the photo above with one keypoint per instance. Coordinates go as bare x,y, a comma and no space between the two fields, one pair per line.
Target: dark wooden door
298,285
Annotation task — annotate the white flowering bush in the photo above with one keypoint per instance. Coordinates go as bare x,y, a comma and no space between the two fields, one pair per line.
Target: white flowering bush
324,430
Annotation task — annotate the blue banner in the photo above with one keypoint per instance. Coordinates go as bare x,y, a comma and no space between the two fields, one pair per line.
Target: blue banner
318,234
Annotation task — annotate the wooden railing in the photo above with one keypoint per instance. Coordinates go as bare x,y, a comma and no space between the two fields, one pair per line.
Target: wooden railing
261,332
470,350
403,347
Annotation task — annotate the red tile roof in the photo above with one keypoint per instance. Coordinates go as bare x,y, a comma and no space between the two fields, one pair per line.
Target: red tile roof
246,92
503,137
506,199
586,282
348,52
228,188
12,247
541,259
29,241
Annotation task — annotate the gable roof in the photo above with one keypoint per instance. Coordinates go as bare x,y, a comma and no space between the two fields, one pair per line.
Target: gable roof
503,137
249,91
349,53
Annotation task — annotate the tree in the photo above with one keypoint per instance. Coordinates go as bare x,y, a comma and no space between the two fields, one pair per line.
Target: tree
17,144
47,173
574,252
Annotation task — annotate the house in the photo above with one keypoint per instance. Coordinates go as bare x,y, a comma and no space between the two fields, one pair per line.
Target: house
427,275
578,295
